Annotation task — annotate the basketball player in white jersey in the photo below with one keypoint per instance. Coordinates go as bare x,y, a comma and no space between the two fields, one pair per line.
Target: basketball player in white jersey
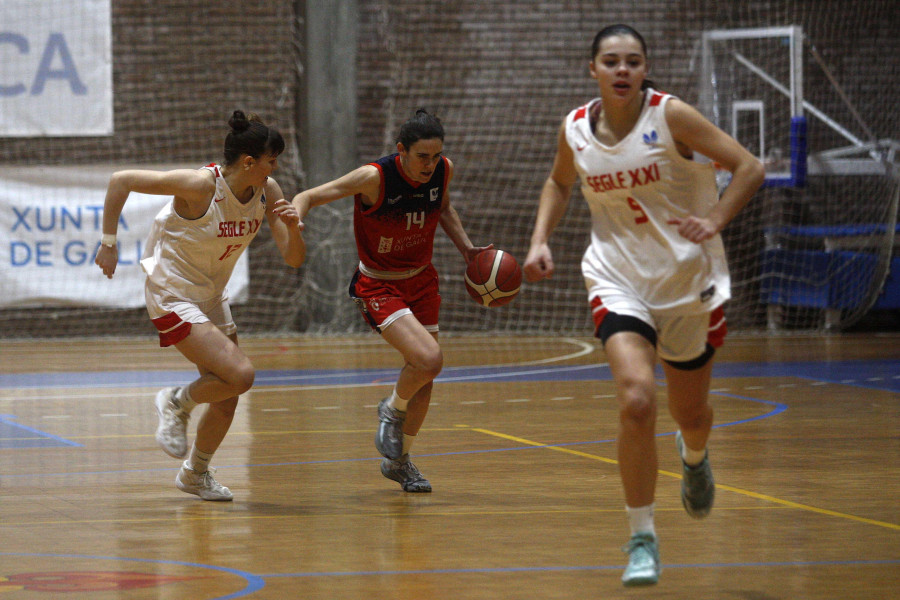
655,269
196,239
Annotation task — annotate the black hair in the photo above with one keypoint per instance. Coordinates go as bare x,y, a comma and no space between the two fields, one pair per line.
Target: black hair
621,29
249,135
423,126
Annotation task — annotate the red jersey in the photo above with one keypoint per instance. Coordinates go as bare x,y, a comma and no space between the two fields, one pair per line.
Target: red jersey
397,232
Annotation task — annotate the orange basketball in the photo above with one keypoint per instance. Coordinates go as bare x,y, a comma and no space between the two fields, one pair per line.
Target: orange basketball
493,278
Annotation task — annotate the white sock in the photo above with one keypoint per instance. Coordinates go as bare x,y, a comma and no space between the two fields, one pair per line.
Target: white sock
692,457
407,443
641,519
396,402
199,460
184,401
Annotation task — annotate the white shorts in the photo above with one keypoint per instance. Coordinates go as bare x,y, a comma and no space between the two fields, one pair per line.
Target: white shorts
173,316
680,338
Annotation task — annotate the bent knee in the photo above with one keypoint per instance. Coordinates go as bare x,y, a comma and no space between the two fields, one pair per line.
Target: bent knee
242,379
430,363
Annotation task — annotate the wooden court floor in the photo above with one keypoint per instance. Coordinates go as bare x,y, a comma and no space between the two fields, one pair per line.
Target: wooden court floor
519,446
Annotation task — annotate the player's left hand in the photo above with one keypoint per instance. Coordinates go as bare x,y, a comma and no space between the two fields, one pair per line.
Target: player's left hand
694,229
474,251
286,212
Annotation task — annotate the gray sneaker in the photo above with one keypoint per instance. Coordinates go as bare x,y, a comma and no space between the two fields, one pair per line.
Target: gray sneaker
201,484
406,473
389,437
171,434
698,490
643,560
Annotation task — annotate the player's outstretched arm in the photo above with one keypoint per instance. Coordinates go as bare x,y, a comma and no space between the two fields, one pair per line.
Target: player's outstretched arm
365,181
190,186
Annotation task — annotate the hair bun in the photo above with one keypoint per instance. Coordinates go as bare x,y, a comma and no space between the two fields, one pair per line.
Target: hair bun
238,121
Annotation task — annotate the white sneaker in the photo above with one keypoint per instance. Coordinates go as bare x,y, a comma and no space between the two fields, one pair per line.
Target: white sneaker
201,484
171,434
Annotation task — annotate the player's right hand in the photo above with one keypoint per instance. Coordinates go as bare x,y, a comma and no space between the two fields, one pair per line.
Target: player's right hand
539,263
107,259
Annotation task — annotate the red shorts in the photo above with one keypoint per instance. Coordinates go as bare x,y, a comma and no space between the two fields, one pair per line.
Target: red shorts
383,301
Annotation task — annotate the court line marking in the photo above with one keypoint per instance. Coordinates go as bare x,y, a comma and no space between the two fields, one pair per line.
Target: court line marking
42,435
584,348
254,582
751,494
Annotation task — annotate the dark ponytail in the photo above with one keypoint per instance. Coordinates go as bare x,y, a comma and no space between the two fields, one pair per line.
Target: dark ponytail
249,135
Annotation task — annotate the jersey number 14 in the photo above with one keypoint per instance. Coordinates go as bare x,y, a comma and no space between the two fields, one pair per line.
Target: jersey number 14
415,218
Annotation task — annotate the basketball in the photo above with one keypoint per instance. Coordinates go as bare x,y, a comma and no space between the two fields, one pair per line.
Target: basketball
493,278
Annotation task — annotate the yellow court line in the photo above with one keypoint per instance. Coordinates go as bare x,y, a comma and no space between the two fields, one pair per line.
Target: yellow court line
758,496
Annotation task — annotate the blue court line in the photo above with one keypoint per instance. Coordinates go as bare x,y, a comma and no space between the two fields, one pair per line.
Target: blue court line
254,582
875,374
719,565
11,431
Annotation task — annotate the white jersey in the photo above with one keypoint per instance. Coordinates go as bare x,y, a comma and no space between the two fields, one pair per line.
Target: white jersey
193,258
633,188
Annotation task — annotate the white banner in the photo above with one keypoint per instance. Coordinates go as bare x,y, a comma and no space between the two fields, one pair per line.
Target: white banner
51,220
55,68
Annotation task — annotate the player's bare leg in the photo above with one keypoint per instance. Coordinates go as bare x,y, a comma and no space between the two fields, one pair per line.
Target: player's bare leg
689,406
398,427
420,350
225,372
632,359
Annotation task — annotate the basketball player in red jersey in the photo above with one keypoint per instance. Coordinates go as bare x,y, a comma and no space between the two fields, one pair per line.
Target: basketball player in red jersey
399,200
655,270
196,239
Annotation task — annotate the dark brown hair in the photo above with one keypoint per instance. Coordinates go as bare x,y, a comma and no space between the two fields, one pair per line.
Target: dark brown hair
249,135
621,29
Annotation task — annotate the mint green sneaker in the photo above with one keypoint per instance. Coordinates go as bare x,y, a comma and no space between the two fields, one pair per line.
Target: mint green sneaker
643,560
698,490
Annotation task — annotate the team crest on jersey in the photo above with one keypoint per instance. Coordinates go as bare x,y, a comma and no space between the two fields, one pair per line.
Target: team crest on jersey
652,138
385,245
434,194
